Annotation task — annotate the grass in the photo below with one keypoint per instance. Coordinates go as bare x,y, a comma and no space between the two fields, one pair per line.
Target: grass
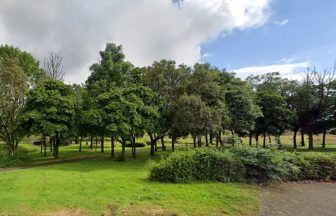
103,186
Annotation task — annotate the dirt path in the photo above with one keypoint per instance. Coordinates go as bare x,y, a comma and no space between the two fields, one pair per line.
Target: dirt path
299,199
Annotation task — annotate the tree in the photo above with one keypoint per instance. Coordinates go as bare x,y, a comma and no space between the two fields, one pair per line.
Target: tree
49,111
53,66
18,71
13,88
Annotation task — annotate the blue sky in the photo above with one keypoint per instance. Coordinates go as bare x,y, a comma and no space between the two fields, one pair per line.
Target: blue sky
296,31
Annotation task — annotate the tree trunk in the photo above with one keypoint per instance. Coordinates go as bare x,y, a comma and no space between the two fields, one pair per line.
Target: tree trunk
264,140
199,141
56,146
112,146
123,144
96,143
80,144
45,146
173,143
76,140
153,143
324,138
206,139
311,141
102,141
134,147
302,139
194,141
257,140
91,143
294,139
211,137
269,139
250,139
163,144
51,143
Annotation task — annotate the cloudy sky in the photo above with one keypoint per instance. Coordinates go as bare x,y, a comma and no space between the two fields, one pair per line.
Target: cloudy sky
246,36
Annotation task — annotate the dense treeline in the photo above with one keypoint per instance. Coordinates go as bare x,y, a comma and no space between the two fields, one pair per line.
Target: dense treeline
124,102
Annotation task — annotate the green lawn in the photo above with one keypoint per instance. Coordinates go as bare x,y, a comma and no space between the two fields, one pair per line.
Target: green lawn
103,186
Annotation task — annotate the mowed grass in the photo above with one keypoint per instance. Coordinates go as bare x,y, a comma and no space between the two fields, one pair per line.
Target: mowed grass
105,187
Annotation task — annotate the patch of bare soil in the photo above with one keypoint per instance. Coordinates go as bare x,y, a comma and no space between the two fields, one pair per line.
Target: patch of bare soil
65,212
148,210
299,199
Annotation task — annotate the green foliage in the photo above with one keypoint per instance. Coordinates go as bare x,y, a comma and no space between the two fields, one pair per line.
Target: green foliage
200,165
243,163
137,144
19,157
265,164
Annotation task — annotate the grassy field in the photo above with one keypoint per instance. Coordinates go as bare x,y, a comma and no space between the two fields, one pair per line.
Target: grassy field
103,186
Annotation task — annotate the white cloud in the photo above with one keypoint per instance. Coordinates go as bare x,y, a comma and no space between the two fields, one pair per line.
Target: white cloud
291,71
281,22
148,29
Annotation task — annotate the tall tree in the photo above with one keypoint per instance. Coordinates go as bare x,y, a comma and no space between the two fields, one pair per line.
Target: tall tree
49,111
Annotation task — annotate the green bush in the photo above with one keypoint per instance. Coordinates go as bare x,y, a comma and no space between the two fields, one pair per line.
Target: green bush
137,144
243,163
20,157
316,166
266,164
200,165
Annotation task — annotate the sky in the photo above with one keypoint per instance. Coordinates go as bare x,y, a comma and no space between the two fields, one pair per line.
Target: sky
244,36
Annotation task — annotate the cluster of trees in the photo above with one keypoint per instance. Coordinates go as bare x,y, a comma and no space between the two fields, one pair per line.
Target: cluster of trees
124,102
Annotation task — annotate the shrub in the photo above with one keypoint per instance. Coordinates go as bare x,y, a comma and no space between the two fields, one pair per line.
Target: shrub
20,157
200,165
137,144
316,166
243,163
266,164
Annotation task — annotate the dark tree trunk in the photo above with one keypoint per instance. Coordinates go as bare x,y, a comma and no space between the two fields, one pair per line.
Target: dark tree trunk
102,141
211,137
324,137
134,147
56,146
41,151
173,143
163,144
264,140
310,141
153,144
302,139
294,138
80,144
112,146
96,143
199,141
51,143
250,139
257,140
269,138
194,141
76,140
123,144
91,143
206,139
86,141
45,146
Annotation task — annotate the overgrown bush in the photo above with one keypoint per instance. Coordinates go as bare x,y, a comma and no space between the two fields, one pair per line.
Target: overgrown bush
20,157
243,164
266,164
201,165
137,144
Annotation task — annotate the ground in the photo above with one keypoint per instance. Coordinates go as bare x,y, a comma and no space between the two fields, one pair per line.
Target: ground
300,199
103,186
98,185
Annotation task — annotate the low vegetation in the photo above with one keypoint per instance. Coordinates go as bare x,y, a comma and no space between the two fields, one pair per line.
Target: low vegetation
242,164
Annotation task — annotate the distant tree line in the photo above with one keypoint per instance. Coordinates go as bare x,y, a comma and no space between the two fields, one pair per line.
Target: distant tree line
124,102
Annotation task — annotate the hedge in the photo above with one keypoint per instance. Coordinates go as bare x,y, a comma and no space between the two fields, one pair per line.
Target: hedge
240,164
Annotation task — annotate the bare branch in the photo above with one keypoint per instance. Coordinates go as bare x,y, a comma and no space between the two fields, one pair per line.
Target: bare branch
53,66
